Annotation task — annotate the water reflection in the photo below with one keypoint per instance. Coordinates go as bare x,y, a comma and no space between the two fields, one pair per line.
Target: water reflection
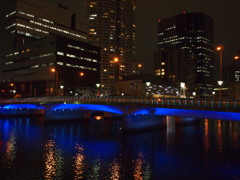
115,170
235,134
79,162
142,169
219,135
95,175
77,151
170,121
11,150
53,161
206,136
138,169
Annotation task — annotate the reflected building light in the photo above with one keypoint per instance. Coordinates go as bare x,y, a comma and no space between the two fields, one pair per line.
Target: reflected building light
11,150
78,163
147,172
96,170
170,122
138,170
219,135
53,161
206,136
115,170
235,135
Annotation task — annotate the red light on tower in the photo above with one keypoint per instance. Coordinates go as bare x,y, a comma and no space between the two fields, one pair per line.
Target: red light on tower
159,20
184,12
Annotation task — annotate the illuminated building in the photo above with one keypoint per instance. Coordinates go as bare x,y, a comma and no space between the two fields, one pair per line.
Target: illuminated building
232,73
26,20
185,42
112,27
145,85
37,36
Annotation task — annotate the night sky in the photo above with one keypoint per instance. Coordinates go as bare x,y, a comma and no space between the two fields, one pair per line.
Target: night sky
225,14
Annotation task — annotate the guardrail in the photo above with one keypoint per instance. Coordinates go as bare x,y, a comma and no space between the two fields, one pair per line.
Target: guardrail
173,102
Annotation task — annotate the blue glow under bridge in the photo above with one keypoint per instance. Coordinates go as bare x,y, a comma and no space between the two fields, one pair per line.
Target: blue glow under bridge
200,108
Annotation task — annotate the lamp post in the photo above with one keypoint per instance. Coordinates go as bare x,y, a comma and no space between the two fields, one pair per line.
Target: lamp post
220,82
139,68
14,89
194,94
54,70
98,89
117,61
213,93
81,83
147,84
237,58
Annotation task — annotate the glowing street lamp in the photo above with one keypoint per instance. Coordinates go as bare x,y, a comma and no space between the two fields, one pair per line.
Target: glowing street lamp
213,93
220,82
194,94
81,74
98,89
117,61
236,57
148,83
54,70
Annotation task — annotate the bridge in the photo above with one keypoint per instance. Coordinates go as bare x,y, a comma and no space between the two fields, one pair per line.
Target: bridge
123,106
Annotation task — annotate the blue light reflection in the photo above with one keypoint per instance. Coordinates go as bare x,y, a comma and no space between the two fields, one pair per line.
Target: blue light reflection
104,108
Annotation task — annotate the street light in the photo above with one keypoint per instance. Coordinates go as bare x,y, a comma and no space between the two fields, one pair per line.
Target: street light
220,82
213,93
117,61
54,70
98,89
14,89
236,57
148,84
194,94
81,73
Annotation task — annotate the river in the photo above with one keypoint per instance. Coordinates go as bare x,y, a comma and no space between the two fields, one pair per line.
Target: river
31,148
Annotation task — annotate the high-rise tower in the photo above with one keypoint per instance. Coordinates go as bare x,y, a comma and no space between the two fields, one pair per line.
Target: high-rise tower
191,34
112,27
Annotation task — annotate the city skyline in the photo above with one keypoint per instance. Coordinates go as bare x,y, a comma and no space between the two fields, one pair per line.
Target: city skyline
225,15
225,19
226,27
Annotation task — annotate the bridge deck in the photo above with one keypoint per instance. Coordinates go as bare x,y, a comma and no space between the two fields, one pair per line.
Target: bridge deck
177,103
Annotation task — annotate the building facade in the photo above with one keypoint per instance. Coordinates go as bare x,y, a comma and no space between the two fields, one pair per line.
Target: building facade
42,50
185,46
112,27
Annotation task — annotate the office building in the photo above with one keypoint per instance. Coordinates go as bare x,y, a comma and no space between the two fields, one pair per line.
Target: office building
43,47
232,73
185,46
112,27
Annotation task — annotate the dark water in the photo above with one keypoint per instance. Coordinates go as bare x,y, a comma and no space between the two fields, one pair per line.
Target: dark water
33,149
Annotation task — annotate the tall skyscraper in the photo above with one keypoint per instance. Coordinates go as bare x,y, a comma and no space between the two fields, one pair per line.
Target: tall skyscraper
190,37
112,27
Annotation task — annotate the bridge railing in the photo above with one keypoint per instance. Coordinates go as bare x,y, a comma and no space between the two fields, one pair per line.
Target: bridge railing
178,102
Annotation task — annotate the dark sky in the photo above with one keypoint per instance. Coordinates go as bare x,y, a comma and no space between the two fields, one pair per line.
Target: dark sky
225,13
